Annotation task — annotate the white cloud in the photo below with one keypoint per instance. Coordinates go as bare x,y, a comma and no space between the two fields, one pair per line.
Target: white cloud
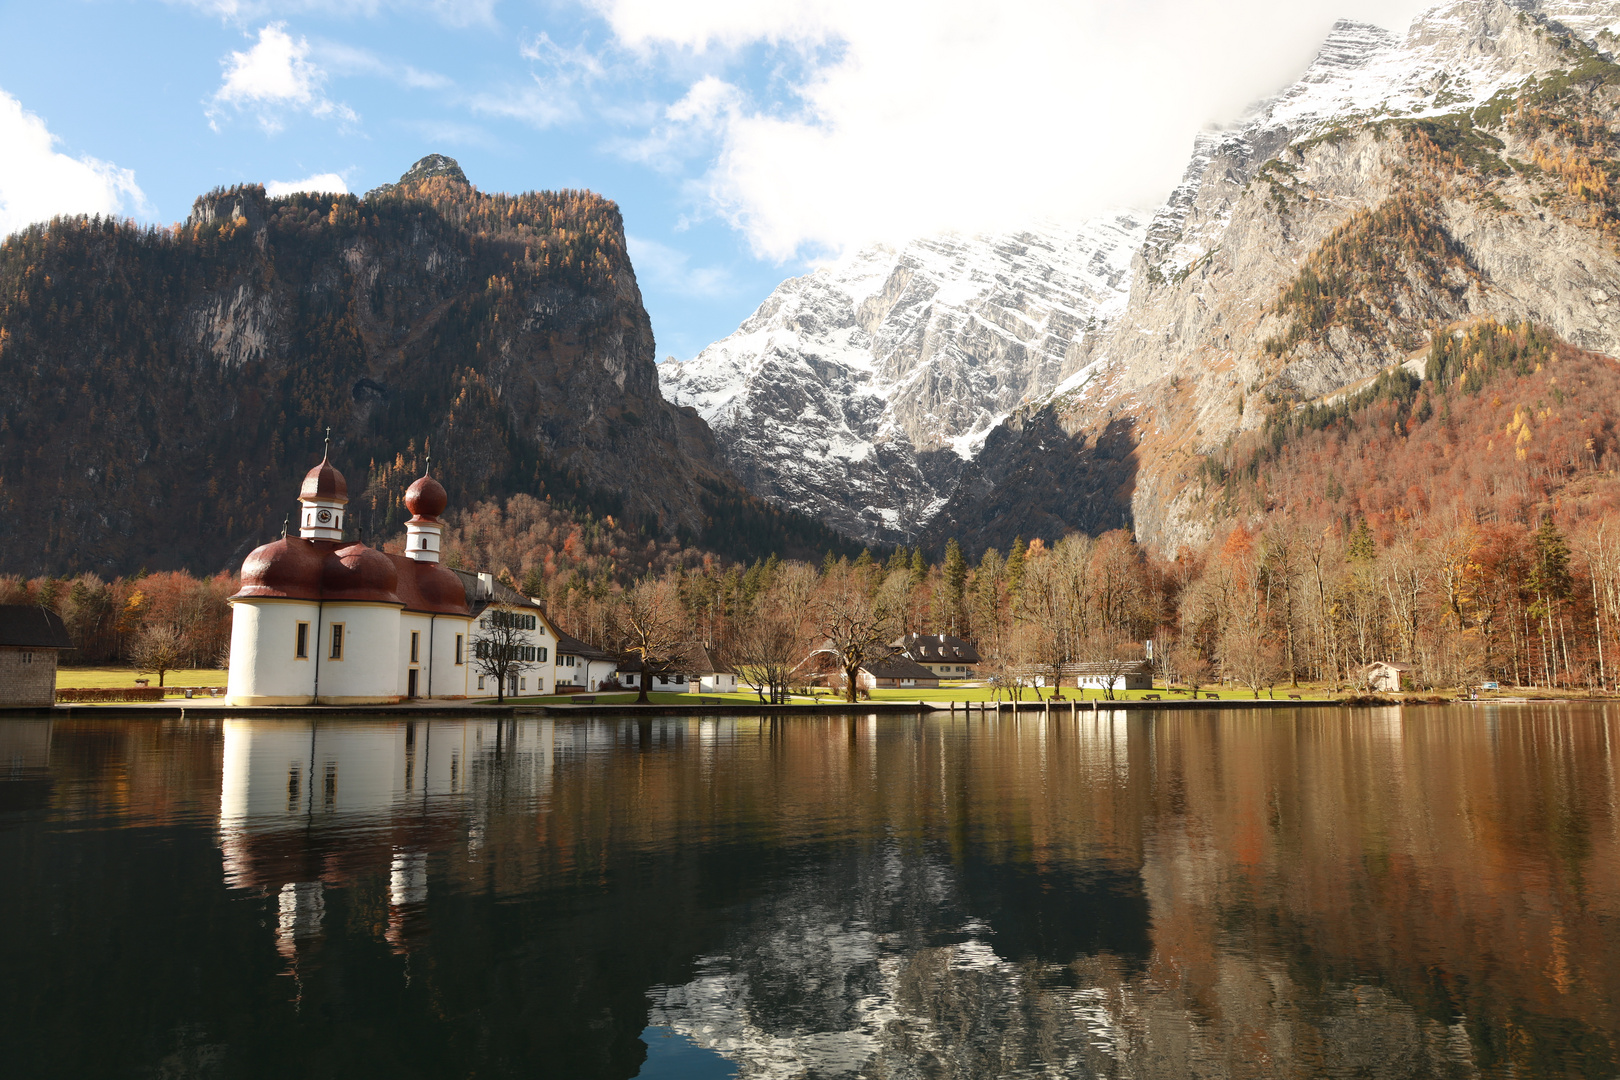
340,59
449,12
37,182
889,118
319,184
559,81
273,79
672,271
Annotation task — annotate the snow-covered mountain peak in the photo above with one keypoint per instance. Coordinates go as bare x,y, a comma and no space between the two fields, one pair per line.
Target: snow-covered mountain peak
878,374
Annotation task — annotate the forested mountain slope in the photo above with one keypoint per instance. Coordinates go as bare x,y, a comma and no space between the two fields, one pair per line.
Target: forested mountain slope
1506,424
166,388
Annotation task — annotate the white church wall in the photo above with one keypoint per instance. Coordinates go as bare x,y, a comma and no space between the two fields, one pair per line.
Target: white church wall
449,678
265,667
368,670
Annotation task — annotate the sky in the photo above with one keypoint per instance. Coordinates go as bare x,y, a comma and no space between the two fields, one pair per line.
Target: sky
745,141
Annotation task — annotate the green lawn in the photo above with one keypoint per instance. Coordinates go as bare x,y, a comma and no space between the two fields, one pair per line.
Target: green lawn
984,693
93,678
942,694
628,697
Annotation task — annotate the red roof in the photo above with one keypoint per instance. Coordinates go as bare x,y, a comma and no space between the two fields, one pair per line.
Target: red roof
324,482
425,586
293,568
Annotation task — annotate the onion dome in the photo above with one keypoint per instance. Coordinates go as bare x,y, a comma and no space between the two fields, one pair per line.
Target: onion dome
425,586
359,573
325,483
289,568
426,499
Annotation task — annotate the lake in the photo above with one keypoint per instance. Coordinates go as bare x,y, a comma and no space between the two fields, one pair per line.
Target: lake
1304,893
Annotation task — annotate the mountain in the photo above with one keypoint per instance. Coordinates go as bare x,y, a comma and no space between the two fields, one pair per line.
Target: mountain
1404,187
168,387
858,393
1399,191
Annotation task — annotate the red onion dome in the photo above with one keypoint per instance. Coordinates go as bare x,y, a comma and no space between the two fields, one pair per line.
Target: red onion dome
426,498
358,572
438,589
324,482
289,568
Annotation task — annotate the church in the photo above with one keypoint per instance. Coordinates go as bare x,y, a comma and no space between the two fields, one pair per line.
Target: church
320,620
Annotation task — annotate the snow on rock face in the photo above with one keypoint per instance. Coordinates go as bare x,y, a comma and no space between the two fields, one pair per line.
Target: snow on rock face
1455,56
857,392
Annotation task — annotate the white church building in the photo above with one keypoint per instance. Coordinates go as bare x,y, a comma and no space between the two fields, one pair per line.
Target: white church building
323,620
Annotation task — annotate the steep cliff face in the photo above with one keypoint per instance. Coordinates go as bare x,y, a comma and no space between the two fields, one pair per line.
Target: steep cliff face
860,393
166,387
1401,188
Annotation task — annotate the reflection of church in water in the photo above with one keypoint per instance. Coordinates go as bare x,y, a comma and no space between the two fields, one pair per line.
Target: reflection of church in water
387,793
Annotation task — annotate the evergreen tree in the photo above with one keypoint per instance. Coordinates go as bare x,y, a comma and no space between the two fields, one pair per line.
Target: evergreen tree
1015,566
955,587
1549,571
1362,548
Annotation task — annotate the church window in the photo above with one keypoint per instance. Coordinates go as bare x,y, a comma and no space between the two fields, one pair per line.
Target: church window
337,642
459,660
301,646
416,646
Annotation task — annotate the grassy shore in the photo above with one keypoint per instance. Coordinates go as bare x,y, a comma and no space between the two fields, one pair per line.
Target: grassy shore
944,693
97,678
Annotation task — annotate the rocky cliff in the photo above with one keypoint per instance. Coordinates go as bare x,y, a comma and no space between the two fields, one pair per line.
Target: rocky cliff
167,387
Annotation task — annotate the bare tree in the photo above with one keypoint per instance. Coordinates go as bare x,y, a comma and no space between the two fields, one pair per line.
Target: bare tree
501,649
773,637
1249,657
1404,570
652,625
855,625
1052,602
158,649
1600,550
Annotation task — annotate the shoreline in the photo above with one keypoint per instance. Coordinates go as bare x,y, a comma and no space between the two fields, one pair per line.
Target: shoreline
969,710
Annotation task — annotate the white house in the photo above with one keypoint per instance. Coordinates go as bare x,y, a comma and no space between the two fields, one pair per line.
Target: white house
533,672
946,656
582,668
711,674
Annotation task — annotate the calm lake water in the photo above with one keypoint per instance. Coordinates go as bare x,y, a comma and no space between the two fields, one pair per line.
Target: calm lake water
1433,893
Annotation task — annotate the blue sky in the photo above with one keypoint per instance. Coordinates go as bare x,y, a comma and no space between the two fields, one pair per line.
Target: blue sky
743,141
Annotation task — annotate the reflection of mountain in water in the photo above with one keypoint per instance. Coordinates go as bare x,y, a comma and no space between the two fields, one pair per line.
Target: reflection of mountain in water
876,972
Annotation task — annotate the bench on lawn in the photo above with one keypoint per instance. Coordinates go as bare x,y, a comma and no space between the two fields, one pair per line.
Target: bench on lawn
1150,697
710,701
584,699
